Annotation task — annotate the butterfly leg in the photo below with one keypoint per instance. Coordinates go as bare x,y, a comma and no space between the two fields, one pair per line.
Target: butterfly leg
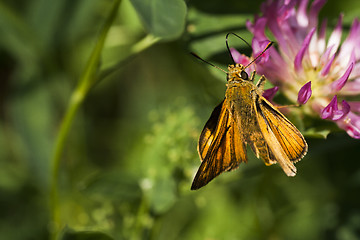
252,76
260,84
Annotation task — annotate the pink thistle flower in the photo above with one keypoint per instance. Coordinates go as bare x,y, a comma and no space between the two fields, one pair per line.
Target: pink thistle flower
304,55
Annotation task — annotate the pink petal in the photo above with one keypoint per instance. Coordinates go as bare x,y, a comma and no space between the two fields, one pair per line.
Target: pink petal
274,13
351,88
258,28
351,124
299,57
258,47
302,17
335,36
270,93
345,107
350,44
238,57
321,37
339,84
332,112
314,10
327,112
355,73
355,106
242,59
327,67
304,93
325,56
353,131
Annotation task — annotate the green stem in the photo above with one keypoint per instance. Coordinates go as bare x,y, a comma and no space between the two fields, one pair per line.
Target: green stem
86,81
144,43
138,47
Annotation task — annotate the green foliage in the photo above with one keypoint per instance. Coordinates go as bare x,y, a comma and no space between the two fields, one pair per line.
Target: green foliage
162,18
129,150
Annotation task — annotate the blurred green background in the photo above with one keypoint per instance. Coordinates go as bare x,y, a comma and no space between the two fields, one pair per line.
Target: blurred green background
130,156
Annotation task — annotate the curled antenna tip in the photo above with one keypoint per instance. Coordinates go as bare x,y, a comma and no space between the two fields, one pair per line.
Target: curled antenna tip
227,44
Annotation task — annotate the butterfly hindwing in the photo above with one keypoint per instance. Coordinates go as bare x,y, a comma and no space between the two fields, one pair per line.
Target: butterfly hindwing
286,133
284,139
261,148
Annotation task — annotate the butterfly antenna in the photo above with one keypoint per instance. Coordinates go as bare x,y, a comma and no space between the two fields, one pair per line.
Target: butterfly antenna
197,56
227,44
266,48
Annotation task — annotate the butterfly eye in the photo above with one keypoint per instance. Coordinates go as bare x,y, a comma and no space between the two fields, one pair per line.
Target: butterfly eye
244,75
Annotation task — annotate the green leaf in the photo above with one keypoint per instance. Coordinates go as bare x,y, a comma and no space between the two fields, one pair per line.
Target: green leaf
162,18
319,128
315,133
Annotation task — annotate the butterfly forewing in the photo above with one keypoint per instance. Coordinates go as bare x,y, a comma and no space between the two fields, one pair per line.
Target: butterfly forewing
221,146
210,130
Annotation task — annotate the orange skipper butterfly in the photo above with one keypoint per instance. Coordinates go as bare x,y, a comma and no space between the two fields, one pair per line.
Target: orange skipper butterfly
246,117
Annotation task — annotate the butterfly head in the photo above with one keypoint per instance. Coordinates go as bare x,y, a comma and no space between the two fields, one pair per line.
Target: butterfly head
237,73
